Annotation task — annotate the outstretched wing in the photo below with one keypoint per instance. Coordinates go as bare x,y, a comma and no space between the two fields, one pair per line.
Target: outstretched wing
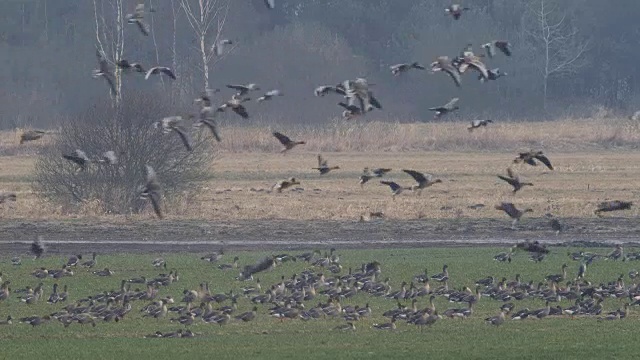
394,186
508,208
321,162
507,179
210,123
545,160
242,111
144,29
284,139
418,176
167,71
184,136
511,173
112,85
155,202
504,46
451,103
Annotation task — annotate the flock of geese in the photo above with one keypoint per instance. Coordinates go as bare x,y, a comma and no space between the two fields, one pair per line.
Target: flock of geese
359,99
322,290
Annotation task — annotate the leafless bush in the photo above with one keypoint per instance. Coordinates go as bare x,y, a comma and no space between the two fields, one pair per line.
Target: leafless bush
130,134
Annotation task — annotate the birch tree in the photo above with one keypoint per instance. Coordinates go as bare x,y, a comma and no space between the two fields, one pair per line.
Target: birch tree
207,19
559,50
109,25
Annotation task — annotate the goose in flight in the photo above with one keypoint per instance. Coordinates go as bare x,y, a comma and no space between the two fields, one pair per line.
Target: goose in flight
157,70
152,191
137,18
104,71
423,180
286,142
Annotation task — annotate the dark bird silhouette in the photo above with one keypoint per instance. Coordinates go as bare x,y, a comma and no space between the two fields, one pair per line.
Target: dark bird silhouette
104,71
455,10
7,196
514,180
152,191
445,109
125,65
443,63
423,180
476,124
157,70
401,68
512,211
137,18
503,46
286,142
31,135
323,166
37,248
615,205
531,157
78,157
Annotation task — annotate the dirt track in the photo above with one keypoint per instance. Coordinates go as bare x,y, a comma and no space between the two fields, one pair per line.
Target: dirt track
192,236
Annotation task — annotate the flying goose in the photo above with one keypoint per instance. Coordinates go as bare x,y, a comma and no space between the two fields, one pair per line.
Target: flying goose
157,70
323,166
211,124
445,109
37,248
78,157
7,196
269,95
501,45
105,72
455,10
152,191
615,205
423,180
173,123
473,62
514,180
493,74
137,18
236,105
284,184
476,124
530,158
286,142
125,65
219,47
325,89
243,90
31,135
395,188
443,63
401,68
512,211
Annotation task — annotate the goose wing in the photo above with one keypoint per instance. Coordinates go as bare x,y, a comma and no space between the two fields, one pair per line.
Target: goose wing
211,124
321,162
545,160
451,103
284,139
504,46
508,208
241,110
143,27
184,136
419,177
394,186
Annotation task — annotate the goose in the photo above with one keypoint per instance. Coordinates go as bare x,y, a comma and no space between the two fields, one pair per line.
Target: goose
286,142
233,265
31,135
615,205
445,109
152,191
326,89
16,261
558,277
423,180
219,46
395,188
443,276
285,184
7,196
214,256
582,270
530,158
8,321
248,316
104,272
37,248
35,320
349,326
236,105
514,180
210,123
502,45
473,62
244,89
79,158
54,297
503,257
425,320
512,211
158,70
386,326
455,10
617,253
90,263
443,63
269,95
496,320
126,66
541,313
158,262
476,124
493,75
137,18
401,68
184,319
173,123
556,225
105,72
323,166
520,314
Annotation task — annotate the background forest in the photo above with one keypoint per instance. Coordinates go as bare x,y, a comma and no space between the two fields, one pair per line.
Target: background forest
572,58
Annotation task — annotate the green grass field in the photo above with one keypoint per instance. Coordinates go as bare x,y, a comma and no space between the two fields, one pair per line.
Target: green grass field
267,337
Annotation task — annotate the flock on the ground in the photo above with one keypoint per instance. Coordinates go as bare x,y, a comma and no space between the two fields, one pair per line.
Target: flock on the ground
359,100
323,290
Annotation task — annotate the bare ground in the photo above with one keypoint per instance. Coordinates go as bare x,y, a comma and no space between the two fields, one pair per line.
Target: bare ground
280,235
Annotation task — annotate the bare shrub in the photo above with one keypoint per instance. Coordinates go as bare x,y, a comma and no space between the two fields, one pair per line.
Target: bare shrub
128,132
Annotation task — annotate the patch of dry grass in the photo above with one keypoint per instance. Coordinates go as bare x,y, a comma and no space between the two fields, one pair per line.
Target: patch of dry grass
249,164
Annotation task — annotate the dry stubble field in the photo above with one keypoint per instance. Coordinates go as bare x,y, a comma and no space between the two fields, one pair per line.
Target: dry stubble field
594,160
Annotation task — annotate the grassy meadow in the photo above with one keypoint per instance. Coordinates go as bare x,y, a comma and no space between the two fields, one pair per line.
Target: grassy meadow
267,337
